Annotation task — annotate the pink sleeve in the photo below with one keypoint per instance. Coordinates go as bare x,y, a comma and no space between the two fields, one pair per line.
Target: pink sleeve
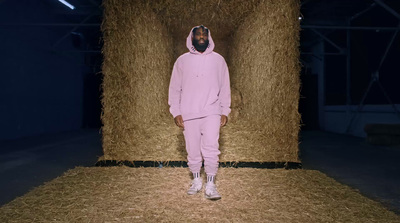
175,88
225,92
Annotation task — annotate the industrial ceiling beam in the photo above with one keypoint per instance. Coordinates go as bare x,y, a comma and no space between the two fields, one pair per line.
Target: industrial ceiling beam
77,51
94,3
304,2
363,11
72,30
341,50
50,24
329,54
78,11
350,27
388,8
388,48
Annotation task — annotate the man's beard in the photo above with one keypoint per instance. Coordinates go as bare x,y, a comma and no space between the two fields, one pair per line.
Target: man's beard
200,48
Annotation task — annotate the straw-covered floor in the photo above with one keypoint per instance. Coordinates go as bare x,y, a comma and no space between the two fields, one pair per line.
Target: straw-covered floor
121,194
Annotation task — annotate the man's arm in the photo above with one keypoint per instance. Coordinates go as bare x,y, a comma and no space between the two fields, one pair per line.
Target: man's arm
225,95
174,95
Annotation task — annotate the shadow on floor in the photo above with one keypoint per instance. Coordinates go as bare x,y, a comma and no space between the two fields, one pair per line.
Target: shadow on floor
29,162
373,170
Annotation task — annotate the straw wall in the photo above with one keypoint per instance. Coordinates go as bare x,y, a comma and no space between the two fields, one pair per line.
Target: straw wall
259,40
265,70
137,62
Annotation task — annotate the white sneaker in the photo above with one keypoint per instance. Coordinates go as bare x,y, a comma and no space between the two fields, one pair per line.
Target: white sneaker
196,186
211,192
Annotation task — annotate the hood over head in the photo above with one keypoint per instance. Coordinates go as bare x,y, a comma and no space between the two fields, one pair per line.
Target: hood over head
192,49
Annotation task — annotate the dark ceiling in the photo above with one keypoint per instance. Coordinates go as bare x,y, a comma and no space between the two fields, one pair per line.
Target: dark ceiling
320,18
328,16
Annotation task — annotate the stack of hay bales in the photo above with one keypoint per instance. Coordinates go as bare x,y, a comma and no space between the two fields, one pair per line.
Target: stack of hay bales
265,69
259,39
137,62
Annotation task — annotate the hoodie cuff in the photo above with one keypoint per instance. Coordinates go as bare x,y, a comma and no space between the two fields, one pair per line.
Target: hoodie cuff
226,111
174,114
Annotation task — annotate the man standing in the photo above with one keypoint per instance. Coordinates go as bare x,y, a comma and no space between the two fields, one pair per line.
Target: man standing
200,99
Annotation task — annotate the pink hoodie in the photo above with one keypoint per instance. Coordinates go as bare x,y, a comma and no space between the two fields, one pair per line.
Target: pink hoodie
199,83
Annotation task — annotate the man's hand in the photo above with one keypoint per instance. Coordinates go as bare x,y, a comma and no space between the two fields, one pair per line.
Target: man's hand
179,121
224,120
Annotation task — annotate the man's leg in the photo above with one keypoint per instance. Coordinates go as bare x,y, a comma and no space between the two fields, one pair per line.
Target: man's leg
210,150
193,148
210,146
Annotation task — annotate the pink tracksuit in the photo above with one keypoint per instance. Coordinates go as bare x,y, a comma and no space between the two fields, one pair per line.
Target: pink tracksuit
199,90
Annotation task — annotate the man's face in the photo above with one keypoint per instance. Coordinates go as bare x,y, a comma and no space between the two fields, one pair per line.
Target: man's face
200,39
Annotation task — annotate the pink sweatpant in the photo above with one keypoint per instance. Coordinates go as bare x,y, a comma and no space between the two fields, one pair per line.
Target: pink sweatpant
201,137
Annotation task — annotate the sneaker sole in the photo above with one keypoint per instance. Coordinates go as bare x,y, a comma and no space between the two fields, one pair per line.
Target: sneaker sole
193,193
213,198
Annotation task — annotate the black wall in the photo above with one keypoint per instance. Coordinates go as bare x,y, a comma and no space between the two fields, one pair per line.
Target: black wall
41,87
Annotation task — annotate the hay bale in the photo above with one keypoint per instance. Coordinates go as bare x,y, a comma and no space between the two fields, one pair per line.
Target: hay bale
236,98
265,69
139,53
236,104
136,68
222,17
159,195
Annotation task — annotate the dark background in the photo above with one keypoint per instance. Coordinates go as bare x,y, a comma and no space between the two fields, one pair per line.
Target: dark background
50,69
366,49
